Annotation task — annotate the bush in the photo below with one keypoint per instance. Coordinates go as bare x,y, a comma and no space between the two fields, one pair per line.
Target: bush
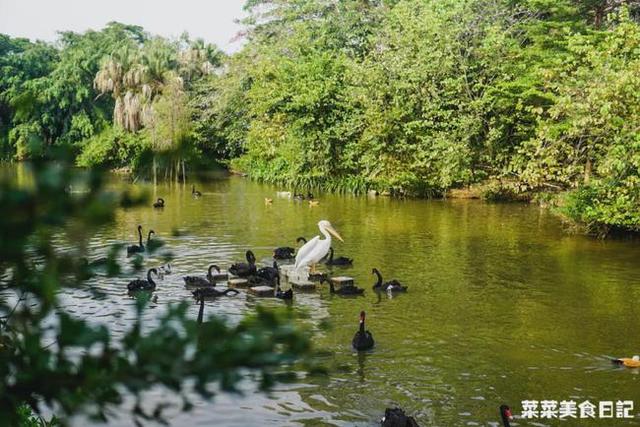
113,147
604,207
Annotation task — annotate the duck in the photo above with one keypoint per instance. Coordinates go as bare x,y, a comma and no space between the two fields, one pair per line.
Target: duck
310,196
629,362
143,285
279,293
211,292
269,273
390,286
195,193
338,261
505,415
268,201
136,249
284,194
242,269
202,281
298,196
301,240
313,203
396,417
362,340
159,203
344,290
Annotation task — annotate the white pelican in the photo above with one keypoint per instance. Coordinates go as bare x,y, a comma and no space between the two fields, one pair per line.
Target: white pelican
315,249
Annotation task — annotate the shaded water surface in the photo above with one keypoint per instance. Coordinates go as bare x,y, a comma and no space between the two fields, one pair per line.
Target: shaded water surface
502,305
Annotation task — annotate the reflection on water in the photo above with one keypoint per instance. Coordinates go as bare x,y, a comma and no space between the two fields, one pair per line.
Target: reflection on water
502,306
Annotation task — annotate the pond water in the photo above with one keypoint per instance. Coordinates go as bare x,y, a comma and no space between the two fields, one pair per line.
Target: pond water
502,305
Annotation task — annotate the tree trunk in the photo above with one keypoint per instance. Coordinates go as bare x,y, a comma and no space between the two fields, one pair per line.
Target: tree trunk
587,171
599,15
155,171
184,173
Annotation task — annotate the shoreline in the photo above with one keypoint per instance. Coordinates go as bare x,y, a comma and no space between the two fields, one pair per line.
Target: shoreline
488,191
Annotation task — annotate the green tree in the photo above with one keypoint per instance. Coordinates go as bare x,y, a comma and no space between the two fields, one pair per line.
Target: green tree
588,139
170,129
21,63
53,102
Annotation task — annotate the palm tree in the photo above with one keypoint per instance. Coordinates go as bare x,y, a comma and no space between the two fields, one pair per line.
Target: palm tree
147,83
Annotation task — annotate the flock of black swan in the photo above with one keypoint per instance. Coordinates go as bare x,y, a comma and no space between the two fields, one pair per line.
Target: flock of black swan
311,253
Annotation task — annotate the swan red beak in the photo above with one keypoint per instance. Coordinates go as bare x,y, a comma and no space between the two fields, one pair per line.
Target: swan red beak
508,414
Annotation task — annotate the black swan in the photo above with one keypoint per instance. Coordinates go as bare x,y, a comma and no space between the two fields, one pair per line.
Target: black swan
344,290
395,417
202,281
247,269
159,203
201,311
256,280
143,285
211,292
135,249
149,236
269,273
194,192
505,415
362,340
390,286
287,295
284,252
338,261
210,276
